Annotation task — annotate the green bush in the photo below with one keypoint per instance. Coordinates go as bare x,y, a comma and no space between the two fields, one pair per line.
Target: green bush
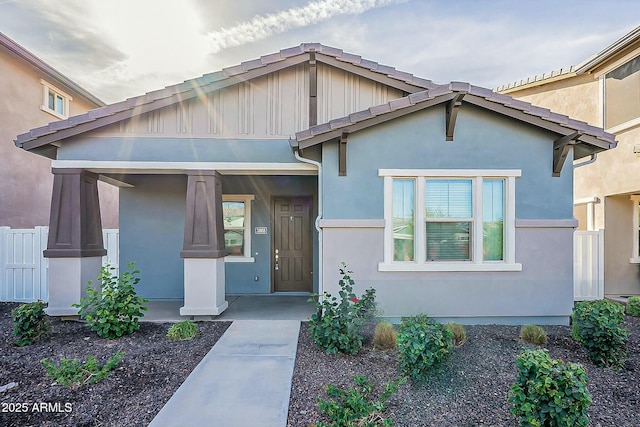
113,310
71,373
422,344
29,323
597,325
336,324
633,306
355,407
533,334
183,331
458,334
549,393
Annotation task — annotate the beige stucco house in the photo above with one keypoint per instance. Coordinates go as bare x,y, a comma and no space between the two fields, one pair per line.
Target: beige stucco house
603,90
33,94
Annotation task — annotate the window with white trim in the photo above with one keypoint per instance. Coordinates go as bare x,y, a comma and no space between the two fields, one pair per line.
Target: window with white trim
236,211
55,101
449,220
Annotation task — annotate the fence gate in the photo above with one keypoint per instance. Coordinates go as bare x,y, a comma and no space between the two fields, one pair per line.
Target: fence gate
23,269
588,265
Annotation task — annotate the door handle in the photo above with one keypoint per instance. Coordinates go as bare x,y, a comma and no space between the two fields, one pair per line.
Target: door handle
277,267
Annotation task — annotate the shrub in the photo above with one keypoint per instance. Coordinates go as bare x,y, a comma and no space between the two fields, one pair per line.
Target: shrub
549,393
597,325
385,336
355,407
533,334
183,331
458,334
113,310
72,373
633,306
422,343
337,324
29,323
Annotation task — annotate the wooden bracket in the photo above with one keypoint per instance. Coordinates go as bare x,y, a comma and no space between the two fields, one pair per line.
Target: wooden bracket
342,155
561,148
452,114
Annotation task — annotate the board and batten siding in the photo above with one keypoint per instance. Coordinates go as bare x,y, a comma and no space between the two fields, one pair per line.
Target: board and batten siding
272,106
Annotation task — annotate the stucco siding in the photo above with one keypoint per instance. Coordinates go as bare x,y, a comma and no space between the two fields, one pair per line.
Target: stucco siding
25,178
621,276
482,141
152,218
541,293
577,97
177,150
152,231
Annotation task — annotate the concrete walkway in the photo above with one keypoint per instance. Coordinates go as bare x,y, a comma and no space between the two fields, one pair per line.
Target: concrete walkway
244,381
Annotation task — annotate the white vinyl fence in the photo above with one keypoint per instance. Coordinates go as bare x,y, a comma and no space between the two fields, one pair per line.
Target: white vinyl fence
588,265
23,269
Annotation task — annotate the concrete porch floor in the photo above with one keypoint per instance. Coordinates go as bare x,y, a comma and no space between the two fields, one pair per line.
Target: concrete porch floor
241,307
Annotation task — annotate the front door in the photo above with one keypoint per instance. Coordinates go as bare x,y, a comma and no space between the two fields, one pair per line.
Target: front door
292,244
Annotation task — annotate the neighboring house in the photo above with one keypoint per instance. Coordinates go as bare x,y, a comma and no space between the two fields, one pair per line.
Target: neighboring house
448,199
34,94
604,91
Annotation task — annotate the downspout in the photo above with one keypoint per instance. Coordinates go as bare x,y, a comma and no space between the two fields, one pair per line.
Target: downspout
318,165
593,158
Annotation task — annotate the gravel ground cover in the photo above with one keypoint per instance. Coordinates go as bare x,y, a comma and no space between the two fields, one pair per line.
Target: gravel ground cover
472,388
152,370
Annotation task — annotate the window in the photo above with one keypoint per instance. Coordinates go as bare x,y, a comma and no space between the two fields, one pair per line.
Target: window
236,211
622,94
449,220
55,101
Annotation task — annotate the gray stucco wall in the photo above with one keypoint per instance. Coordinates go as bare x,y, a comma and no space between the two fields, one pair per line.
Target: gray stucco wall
483,140
541,293
177,150
152,218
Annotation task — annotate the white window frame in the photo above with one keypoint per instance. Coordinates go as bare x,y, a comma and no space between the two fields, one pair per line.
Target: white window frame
246,198
635,255
477,263
49,88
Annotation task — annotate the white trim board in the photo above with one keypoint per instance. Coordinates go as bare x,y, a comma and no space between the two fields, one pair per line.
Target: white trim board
178,168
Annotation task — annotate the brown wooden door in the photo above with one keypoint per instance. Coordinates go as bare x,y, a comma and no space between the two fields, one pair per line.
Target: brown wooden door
291,253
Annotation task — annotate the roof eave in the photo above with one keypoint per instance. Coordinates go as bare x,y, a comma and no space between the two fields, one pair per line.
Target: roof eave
48,70
611,50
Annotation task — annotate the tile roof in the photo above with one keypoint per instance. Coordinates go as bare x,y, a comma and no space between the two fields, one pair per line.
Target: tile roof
482,97
584,67
187,89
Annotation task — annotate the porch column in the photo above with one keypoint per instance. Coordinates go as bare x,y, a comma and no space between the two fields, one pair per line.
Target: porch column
74,247
203,249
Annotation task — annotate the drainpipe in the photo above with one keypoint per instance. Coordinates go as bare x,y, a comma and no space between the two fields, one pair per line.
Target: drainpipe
593,158
296,153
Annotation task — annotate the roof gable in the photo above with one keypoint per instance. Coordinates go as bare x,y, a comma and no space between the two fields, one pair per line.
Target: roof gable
243,72
585,138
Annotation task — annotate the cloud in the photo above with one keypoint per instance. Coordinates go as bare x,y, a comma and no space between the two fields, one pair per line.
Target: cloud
262,27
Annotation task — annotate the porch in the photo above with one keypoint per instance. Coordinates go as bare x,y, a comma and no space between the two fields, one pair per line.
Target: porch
241,307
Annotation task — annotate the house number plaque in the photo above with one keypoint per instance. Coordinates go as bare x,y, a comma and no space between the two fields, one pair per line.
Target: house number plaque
260,230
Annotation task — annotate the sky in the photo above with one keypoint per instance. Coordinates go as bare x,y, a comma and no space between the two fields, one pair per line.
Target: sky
118,49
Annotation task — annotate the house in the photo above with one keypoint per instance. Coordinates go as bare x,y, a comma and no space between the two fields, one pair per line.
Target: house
603,90
449,200
34,94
